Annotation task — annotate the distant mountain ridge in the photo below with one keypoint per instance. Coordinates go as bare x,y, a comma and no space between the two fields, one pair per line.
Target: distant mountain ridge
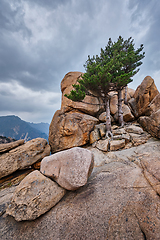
14,127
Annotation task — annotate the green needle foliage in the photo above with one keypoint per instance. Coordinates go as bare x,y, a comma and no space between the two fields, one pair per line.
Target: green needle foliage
110,71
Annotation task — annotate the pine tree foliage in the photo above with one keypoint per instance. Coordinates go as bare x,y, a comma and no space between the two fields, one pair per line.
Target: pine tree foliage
112,70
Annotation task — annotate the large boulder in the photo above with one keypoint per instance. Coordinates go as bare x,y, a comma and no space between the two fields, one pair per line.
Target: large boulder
23,156
151,123
119,201
34,196
91,106
69,168
144,94
69,130
154,106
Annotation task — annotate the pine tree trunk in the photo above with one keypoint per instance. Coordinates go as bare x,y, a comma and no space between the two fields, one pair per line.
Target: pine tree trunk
125,95
108,118
120,112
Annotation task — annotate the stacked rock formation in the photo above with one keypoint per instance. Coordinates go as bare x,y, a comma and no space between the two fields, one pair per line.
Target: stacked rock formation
77,123
36,194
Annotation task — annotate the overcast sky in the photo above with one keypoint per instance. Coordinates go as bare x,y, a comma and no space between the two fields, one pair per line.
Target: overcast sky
42,40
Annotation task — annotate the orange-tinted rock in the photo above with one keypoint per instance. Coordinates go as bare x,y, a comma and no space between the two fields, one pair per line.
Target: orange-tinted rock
91,106
154,106
70,129
144,94
151,123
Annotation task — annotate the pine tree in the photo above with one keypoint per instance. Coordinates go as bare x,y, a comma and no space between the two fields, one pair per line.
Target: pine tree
111,71
130,60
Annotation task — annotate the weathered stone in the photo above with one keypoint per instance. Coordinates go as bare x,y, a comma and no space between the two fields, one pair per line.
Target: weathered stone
118,202
154,106
144,94
94,136
14,178
23,156
117,144
152,123
101,128
34,196
8,146
103,145
126,137
131,93
132,104
127,115
117,137
69,130
113,103
134,129
66,104
114,99
138,139
119,131
70,168
102,117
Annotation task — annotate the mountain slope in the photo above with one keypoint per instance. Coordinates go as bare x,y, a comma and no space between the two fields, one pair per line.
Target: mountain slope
12,126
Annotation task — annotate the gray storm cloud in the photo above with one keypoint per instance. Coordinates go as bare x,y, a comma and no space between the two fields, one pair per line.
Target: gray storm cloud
40,41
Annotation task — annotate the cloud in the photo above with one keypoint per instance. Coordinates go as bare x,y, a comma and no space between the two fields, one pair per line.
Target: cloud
27,104
40,41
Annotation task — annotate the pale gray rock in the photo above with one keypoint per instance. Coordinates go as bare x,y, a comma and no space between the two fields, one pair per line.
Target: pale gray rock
34,196
69,168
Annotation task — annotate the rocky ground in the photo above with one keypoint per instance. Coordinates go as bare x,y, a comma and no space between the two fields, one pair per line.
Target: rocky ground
120,201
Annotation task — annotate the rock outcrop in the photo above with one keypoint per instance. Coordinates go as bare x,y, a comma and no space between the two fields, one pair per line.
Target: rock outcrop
69,130
69,168
121,200
23,156
144,95
91,106
34,196
151,123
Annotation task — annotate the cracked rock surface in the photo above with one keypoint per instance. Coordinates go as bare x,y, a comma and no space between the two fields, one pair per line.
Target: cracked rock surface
120,201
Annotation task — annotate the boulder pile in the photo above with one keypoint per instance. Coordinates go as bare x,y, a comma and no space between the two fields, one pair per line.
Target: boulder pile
78,124
39,191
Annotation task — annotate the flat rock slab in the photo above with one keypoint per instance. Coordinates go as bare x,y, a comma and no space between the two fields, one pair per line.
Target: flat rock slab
117,144
134,129
34,196
23,156
103,145
70,168
8,146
